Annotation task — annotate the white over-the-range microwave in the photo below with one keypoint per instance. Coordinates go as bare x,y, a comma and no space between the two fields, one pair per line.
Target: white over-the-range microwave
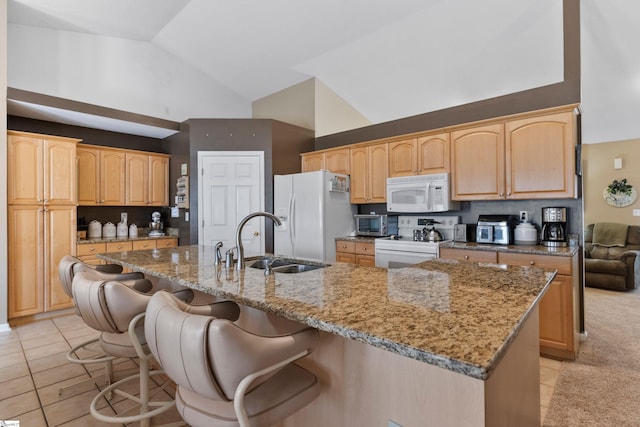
420,193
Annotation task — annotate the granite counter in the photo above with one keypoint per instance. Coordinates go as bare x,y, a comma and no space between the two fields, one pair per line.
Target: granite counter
459,316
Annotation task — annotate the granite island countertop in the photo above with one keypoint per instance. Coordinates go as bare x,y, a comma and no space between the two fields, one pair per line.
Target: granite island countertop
460,316
567,251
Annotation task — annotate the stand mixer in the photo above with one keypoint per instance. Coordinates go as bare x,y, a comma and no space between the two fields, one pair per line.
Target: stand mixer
155,226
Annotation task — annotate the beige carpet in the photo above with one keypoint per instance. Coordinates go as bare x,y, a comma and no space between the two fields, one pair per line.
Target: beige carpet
602,387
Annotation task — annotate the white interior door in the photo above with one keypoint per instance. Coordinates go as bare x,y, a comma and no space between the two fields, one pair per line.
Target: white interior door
230,187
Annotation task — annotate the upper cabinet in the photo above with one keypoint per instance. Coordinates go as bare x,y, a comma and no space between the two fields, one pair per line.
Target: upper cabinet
369,172
540,160
147,178
477,158
527,158
334,160
419,156
42,169
115,177
101,176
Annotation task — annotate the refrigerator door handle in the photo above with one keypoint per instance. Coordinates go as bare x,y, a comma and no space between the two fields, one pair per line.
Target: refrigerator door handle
292,219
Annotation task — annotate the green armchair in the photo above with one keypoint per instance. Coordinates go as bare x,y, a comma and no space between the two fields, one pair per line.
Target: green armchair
613,267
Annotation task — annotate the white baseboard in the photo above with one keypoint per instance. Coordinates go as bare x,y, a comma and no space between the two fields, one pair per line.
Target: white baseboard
4,327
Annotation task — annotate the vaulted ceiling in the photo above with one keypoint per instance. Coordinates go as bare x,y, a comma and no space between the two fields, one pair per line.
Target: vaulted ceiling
388,60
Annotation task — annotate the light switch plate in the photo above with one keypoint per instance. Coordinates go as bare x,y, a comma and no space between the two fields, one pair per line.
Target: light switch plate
183,169
175,212
186,216
636,212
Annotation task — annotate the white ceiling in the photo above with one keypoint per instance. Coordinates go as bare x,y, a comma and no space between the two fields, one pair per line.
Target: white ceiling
388,59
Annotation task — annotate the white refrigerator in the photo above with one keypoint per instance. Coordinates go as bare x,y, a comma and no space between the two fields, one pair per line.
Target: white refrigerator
314,208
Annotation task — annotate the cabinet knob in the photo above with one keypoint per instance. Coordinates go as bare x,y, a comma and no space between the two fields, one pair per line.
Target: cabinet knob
466,257
532,262
92,249
364,249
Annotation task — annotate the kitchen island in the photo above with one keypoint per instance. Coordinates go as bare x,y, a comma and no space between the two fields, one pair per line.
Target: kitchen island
445,342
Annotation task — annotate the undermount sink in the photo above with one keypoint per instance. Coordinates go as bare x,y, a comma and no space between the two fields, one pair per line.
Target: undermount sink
282,266
296,268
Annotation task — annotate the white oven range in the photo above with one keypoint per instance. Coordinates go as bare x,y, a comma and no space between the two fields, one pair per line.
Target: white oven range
404,251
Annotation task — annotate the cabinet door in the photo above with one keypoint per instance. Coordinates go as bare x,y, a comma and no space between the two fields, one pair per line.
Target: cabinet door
137,173
378,173
60,240
359,174
158,181
60,181
367,260
477,163
26,260
556,315
540,157
312,162
88,176
433,154
337,161
112,178
25,170
403,158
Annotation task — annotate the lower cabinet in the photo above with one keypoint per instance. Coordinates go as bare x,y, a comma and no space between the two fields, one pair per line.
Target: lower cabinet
38,239
559,321
362,253
87,251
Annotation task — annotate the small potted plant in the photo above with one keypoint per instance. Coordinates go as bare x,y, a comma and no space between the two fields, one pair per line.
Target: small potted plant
620,193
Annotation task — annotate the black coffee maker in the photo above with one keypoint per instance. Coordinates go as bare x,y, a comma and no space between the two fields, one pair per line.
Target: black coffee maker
554,227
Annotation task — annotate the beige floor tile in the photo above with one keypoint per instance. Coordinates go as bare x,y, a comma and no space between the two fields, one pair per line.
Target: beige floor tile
69,409
8,336
546,392
10,347
16,386
36,330
68,323
82,333
60,373
52,338
48,362
551,363
71,387
12,359
20,404
46,350
33,419
548,376
88,420
14,371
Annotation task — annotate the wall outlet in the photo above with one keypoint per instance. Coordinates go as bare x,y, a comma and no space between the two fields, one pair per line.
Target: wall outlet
636,212
524,216
186,216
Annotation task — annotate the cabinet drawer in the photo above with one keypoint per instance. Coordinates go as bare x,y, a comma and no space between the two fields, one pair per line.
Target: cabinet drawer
562,264
365,248
91,248
368,260
345,246
166,243
119,246
143,244
469,255
344,257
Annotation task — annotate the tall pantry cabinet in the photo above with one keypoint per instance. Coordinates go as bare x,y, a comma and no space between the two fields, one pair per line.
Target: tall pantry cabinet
42,203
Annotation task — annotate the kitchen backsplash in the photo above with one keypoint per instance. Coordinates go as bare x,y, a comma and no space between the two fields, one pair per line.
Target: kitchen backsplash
140,216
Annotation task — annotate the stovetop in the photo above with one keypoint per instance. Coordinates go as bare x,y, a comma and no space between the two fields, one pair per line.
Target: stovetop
406,226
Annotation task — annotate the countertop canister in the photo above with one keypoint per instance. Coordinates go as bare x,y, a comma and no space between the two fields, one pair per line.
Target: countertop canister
95,229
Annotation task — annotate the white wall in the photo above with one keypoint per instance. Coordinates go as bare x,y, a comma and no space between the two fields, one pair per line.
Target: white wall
117,73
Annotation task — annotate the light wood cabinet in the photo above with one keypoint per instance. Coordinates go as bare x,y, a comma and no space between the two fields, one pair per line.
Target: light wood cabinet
528,158
147,180
101,176
477,163
41,187
41,170
154,243
559,321
419,156
115,177
540,157
166,243
87,252
369,172
39,237
362,253
334,160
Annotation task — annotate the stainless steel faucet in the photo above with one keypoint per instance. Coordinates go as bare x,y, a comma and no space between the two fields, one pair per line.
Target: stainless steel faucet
240,262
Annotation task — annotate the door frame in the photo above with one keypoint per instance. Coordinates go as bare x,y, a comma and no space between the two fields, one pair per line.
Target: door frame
202,155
